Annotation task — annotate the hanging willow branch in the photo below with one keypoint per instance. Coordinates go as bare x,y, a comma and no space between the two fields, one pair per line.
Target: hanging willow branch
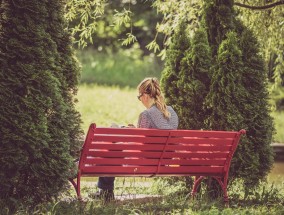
264,7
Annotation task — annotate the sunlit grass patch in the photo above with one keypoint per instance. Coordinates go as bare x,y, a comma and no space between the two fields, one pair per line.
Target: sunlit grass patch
279,126
106,105
126,67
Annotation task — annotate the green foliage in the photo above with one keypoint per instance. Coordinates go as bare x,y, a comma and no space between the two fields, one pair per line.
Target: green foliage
186,78
267,25
39,123
194,82
89,12
277,98
255,103
105,22
241,99
175,54
123,68
231,79
174,13
226,87
110,24
218,17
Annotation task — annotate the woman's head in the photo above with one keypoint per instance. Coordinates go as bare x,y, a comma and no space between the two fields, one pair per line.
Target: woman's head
149,88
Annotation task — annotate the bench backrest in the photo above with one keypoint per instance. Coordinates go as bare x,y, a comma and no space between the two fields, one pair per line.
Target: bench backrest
147,152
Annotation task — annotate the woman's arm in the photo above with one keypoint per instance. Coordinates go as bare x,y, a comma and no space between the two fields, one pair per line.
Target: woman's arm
144,121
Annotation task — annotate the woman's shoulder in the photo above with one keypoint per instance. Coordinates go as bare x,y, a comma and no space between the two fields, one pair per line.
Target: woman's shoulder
170,108
155,110
144,113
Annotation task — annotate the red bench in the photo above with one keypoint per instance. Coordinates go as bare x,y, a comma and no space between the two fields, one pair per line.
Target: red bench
152,152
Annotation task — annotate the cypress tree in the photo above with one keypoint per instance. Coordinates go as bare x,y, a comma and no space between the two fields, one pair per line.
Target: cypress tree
185,79
38,79
226,87
237,97
218,16
194,82
241,88
68,71
170,75
255,152
225,93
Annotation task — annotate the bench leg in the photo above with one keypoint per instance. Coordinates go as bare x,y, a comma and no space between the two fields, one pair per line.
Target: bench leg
223,184
79,186
221,181
76,186
197,182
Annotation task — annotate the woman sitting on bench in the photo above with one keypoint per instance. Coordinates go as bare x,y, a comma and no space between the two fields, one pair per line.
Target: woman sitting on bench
157,116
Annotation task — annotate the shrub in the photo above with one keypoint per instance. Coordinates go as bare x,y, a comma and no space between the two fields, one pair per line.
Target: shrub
237,97
39,124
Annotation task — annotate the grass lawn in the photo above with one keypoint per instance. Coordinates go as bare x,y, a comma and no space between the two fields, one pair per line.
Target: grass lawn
105,105
161,198
279,126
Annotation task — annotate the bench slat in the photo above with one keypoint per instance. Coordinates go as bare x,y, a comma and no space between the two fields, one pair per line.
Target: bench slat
145,139
155,132
147,162
129,138
127,146
151,170
132,131
145,154
203,134
213,141
155,147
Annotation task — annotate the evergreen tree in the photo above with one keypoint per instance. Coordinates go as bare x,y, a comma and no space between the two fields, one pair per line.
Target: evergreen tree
175,54
226,87
241,89
225,93
67,72
38,79
237,97
219,17
193,82
255,152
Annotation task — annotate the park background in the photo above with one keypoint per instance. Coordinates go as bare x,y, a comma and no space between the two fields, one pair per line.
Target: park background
112,66
112,74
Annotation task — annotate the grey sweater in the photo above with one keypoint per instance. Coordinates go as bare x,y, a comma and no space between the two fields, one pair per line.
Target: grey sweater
154,118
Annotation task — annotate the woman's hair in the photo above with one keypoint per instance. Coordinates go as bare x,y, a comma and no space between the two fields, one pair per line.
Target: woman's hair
151,87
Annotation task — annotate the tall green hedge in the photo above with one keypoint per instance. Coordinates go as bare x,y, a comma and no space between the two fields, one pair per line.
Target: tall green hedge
39,126
179,44
222,85
194,81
